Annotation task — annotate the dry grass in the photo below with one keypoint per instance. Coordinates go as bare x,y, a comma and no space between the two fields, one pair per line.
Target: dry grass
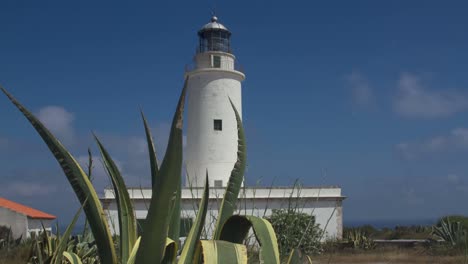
403,256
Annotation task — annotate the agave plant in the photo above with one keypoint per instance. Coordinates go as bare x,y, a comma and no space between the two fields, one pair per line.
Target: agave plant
159,241
359,239
450,232
48,249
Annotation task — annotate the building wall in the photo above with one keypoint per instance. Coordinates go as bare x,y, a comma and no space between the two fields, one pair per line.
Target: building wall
16,221
326,212
324,203
35,225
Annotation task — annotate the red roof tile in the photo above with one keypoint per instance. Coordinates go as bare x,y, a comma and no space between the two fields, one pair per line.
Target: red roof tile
23,209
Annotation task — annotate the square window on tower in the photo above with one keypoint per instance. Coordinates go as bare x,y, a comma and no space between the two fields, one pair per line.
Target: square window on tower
218,183
216,61
218,124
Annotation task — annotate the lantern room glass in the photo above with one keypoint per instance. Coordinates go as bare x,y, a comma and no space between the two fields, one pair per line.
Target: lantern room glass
214,40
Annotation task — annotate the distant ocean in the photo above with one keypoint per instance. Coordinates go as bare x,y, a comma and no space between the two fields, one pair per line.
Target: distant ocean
390,223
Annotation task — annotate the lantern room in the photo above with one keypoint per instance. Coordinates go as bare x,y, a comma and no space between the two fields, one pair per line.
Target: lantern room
214,37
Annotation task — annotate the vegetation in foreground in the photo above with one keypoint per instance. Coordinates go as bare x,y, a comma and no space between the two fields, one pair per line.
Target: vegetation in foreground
160,240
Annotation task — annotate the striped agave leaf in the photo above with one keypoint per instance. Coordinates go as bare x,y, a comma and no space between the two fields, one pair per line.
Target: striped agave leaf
152,152
80,184
217,251
164,194
174,226
188,251
72,258
237,227
126,215
132,256
170,252
229,202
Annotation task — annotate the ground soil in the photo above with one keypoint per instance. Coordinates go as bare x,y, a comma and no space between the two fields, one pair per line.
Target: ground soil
403,256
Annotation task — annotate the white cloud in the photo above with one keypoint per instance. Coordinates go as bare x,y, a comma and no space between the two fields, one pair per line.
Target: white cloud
458,183
412,197
457,139
414,100
453,178
361,91
59,121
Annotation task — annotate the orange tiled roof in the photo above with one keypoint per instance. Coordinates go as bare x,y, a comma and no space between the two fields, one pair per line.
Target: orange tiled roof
23,209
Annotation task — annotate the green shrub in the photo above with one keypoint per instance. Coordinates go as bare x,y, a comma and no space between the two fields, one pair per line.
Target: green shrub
296,230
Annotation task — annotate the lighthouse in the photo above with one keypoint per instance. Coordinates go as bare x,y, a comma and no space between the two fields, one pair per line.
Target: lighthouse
213,80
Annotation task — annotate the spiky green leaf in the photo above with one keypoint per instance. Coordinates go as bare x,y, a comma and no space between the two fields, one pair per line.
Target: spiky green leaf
170,252
80,184
72,258
151,151
164,194
174,223
174,226
126,215
188,251
236,229
229,202
215,251
132,256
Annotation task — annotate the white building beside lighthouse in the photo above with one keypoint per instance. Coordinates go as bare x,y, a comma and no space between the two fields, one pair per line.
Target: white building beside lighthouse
211,130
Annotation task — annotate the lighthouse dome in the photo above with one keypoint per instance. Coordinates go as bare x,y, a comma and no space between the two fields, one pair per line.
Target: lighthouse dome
213,25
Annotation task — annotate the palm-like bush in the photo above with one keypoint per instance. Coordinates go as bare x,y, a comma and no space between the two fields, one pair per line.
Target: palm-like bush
159,242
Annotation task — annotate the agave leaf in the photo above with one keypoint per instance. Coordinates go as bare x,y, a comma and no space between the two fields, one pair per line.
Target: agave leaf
216,251
72,258
228,204
47,241
170,252
80,184
152,152
236,229
164,194
59,250
126,215
188,251
132,256
174,223
296,257
174,226
39,252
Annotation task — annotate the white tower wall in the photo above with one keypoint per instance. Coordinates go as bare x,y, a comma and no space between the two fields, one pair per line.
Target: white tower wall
211,84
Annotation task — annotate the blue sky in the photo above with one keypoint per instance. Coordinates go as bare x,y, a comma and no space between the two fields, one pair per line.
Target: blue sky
368,95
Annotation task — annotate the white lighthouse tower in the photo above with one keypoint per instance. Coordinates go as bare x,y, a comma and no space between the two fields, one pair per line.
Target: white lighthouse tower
211,123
